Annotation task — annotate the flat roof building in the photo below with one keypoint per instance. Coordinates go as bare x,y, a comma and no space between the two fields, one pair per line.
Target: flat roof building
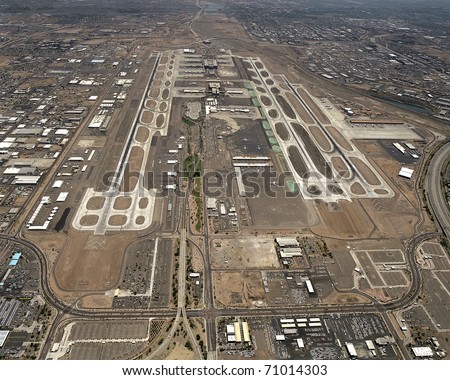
3,335
422,352
406,173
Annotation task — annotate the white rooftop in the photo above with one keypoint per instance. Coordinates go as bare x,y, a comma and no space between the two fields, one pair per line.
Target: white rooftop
406,172
422,352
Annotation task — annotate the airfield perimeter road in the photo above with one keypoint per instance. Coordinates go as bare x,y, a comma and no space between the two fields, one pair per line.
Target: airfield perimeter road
437,203
433,190
65,310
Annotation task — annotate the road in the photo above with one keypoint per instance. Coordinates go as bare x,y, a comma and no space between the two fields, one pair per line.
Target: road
210,313
437,203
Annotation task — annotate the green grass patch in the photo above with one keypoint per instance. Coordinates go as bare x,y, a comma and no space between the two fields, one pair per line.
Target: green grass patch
188,122
192,166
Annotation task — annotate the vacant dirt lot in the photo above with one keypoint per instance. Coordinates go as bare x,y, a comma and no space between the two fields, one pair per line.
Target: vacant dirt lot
248,252
77,268
243,289
345,219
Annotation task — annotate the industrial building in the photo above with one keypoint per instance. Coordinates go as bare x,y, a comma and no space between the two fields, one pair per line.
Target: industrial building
406,173
238,332
3,335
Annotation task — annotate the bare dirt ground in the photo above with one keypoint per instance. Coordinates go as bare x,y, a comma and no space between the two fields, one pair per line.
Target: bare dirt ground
357,189
245,252
180,352
151,103
162,106
339,165
142,134
160,121
147,117
285,106
297,161
95,203
140,220
242,289
89,220
122,203
344,299
77,268
313,106
131,176
143,203
266,101
320,137
339,138
299,109
117,220
282,131
154,93
344,220
96,302
365,171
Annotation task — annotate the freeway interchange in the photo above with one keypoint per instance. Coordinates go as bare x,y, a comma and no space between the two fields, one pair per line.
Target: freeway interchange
210,313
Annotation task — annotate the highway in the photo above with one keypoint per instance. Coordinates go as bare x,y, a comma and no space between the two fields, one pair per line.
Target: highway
436,201
210,313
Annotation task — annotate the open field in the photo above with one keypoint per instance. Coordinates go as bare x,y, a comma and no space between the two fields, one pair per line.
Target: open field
248,252
77,266
241,288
